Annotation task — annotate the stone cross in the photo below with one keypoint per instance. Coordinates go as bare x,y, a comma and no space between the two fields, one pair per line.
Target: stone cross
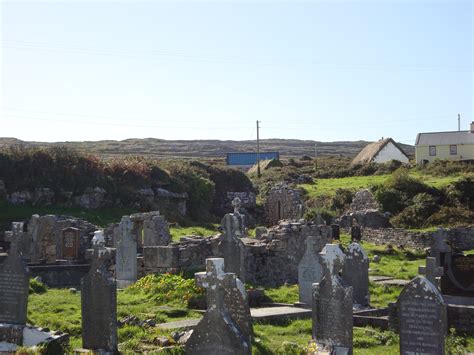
214,280
333,258
431,270
236,203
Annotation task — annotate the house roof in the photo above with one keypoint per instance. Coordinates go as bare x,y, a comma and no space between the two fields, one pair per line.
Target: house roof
445,138
371,150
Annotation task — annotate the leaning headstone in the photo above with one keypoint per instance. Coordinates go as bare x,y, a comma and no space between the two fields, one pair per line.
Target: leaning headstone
356,273
332,305
14,287
99,302
126,254
422,318
310,271
217,332
431,271
231,247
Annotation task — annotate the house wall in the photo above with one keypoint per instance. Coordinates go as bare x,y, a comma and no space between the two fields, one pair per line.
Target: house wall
389,152
465,152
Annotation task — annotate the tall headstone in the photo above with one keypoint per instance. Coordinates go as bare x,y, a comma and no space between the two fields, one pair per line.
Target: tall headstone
431,271
310,271
335,231
441,250
231,247
126,254
217,333
356,234
422,318
356,273
14,283
99,302
332,305
156,232
70,243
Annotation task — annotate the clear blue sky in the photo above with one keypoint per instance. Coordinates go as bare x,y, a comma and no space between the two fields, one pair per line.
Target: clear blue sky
322,70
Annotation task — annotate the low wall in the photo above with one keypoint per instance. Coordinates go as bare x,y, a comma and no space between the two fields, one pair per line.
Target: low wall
60,275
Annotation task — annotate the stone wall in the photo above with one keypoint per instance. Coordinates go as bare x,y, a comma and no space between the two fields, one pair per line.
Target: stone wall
461,238
271,260
282,203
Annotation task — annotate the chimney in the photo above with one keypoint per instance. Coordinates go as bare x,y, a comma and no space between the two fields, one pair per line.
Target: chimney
472,127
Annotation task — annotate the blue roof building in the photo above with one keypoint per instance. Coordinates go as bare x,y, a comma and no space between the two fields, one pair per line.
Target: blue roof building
249,159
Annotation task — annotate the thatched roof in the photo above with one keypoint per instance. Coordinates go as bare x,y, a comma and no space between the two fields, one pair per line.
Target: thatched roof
371,150
266,164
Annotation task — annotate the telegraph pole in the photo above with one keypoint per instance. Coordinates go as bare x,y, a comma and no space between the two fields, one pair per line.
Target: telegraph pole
258,149
459,121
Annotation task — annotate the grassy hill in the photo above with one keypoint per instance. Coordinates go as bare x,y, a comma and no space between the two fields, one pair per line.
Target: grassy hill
160,148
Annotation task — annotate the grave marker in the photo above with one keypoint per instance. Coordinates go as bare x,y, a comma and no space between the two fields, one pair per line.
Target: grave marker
231,247
356,273
422,317
99,302
332,305
126,254
217,332
310,271
431,271
70,243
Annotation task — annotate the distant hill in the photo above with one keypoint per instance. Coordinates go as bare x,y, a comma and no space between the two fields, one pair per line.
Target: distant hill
160,148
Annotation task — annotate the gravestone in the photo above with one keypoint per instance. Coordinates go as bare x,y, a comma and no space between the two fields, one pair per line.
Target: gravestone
231,247
156,232
440,248
431,271
217,333
14,283
356,234
335,231
422,318
458,279
126,254
332,305
310,271
99,302
70,243
356,273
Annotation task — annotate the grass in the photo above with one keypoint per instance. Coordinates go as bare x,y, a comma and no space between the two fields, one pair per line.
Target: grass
327,187
202,230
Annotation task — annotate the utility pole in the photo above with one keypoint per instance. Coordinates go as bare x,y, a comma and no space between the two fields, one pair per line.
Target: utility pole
315,156
258,149
459,121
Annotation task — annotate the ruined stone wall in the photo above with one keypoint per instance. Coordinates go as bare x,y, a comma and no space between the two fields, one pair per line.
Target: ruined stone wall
282,203
271,260
461,238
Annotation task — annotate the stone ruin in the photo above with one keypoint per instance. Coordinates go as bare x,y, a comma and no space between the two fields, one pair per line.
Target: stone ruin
283,202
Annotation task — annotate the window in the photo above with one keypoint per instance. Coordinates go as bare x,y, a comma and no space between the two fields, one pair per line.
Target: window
453,149
432,150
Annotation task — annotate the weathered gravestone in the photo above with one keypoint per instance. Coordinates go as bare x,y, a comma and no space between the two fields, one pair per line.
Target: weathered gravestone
356,273
458,279
332,305
156,232
217,333
99,302
126,254
310,270
70,243
14,287
440,248
335,231
231,247
422,318
356,234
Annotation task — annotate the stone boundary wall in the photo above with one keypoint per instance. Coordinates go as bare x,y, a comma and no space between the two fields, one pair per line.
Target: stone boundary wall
271,260
461,238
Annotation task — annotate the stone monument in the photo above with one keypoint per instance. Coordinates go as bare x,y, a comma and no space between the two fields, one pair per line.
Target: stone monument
431,271
332,305
70,243
422,318
356,274
217,333
310,271
99,302
126,254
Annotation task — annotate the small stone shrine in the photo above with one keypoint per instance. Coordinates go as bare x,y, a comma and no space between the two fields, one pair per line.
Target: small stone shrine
99,302
310,270
230,246
422,318
217,333
126,254
332,305
356,273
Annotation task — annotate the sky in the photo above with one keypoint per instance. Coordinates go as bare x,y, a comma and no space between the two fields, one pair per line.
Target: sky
318,70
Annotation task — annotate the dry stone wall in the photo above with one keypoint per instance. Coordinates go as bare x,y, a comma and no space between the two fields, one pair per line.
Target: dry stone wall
282,203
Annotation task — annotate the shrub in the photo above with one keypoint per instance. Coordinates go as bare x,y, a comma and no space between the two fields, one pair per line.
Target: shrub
461,192
37,287
415,215
450,216
325,213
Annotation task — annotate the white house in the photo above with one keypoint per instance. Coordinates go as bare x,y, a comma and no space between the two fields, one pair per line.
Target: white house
380,152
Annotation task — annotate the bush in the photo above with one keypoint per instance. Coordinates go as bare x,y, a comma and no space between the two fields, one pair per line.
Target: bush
451,216
37,287
461,192
415,215
325,213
